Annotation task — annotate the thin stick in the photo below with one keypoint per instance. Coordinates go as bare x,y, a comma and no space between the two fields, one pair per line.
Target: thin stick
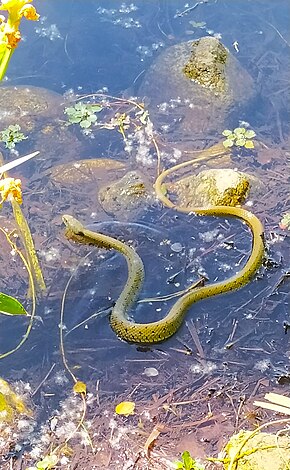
42,382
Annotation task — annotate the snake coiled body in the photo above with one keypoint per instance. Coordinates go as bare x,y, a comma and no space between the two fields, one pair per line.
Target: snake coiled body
155,332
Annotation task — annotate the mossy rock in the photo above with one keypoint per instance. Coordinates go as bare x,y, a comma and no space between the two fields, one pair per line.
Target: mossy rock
225,187
128,196
11,405
260,452
192,88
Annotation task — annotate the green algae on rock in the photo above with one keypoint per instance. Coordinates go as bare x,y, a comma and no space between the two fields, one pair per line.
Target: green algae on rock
127,196
224,187
206,64
11,405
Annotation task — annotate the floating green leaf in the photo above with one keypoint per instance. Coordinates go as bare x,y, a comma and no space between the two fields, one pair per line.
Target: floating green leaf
83,114
239,130
227,133
12,136
240,142
228,143
240,137
250,134
11,306
249,144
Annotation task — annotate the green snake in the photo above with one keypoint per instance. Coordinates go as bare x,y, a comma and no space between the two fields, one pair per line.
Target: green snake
154,332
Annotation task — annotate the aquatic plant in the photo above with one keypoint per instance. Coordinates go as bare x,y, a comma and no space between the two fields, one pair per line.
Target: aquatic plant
10,188
9,28
83,114
240,137
188,463
12,136
284,223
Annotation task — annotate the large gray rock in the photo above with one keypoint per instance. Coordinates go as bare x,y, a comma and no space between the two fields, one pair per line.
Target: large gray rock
128,196
193,86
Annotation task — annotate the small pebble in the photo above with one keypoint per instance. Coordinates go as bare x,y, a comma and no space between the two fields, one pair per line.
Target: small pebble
176,247
150,372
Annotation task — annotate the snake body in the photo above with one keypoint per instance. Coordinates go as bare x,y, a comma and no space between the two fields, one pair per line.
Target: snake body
154,332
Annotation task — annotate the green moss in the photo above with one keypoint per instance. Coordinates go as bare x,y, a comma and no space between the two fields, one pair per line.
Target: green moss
206,64
6,411
11,405
234,196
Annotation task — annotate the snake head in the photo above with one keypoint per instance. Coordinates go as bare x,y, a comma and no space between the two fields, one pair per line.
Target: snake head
72,224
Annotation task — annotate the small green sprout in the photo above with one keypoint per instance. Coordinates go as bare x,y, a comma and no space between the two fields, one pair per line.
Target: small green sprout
83,114
12,136
188,463
285,222
48,463
240,136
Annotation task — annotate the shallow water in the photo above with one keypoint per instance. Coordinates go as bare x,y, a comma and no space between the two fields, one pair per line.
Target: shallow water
87,47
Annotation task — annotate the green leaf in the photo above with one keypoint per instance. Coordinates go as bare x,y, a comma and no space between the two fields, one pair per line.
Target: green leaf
80,106
240,130
85,124
250,134
92,118
75,119
49,462
226,132
178,465
11,306
228,143
240,142
187,460
249,144
69,111
96,108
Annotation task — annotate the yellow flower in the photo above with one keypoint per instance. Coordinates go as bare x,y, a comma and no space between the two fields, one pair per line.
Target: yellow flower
17,9
10,188
29,12
13,39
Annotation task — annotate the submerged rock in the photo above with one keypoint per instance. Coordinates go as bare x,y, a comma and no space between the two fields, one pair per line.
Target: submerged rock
225,187
83,171
127,196
193,86
39,112
261,451
12,405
